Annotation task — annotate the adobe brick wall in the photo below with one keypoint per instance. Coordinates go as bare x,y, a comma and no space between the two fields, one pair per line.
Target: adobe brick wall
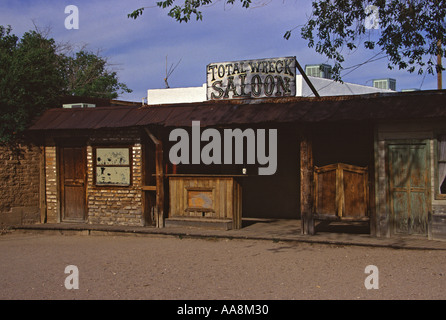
19,184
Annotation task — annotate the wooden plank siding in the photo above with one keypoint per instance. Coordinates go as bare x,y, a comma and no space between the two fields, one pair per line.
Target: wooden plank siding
206,197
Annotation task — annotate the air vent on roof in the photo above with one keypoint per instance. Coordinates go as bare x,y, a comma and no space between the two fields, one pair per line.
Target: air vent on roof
318,70
78,105
385,84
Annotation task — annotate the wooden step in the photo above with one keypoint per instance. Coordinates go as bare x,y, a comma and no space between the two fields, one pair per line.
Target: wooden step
222,224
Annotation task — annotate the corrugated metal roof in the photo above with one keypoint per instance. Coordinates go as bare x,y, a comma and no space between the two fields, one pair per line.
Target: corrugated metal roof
408,105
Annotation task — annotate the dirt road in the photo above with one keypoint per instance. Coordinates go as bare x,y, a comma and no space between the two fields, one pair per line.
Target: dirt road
32,266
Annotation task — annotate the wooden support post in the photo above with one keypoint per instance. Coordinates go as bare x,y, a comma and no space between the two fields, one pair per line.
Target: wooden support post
159,185
306,184
159,172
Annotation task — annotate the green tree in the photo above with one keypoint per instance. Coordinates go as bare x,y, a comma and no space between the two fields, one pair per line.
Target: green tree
411,33
30,80
87,74
34,76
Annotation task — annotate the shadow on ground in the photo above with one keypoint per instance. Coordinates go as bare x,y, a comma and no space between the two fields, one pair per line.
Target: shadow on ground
342,227
294,226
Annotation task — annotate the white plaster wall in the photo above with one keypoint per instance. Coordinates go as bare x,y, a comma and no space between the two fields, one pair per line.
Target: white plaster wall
325,87
176,95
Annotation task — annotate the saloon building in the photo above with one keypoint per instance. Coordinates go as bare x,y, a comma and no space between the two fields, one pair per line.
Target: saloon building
378,158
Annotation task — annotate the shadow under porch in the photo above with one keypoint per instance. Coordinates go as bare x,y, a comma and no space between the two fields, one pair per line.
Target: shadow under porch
278,196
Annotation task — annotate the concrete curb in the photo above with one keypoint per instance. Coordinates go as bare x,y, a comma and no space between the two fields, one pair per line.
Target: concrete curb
198,233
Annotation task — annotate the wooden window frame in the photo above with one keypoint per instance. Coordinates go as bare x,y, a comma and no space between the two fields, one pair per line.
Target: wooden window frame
438,195
95,165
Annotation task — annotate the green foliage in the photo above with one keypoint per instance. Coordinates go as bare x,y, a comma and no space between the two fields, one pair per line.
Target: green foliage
135,14
30,80
86,74
184,11
408,36
34,76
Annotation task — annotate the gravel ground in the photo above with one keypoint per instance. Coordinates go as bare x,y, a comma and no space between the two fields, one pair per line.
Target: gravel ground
169,268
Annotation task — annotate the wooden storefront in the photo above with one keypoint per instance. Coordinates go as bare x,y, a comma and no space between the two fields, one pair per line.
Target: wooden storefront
374,158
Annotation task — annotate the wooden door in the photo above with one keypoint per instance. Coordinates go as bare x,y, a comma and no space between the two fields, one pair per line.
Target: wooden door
341,192
355,197
73,183
409,187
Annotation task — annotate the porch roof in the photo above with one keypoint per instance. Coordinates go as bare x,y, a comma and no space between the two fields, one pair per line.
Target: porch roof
393,106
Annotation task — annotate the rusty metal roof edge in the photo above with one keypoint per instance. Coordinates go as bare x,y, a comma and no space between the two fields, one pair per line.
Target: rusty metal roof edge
275,100
99,125
410,98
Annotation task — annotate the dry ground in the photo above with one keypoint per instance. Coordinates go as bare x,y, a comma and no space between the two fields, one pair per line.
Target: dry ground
155,267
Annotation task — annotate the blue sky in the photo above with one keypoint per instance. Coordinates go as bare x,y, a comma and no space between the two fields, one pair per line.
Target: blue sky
137,49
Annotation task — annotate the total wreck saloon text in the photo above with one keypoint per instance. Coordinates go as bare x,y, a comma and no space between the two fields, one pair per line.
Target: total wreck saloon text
252,79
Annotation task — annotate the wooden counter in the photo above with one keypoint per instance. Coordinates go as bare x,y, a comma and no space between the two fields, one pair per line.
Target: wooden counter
206,198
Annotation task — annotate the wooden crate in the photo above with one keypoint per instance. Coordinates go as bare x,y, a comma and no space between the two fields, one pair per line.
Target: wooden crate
341,192
205,198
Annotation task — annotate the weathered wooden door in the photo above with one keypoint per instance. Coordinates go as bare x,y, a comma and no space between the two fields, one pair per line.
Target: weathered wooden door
341,192
73,183
409,187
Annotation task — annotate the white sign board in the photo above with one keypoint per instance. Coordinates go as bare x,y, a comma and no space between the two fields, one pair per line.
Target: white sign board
264,78
113,166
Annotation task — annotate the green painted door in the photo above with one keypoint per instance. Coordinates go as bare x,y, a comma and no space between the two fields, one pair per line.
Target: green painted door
409,187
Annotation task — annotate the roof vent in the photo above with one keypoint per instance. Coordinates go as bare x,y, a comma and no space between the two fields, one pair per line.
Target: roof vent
318,70
78,105
385,84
